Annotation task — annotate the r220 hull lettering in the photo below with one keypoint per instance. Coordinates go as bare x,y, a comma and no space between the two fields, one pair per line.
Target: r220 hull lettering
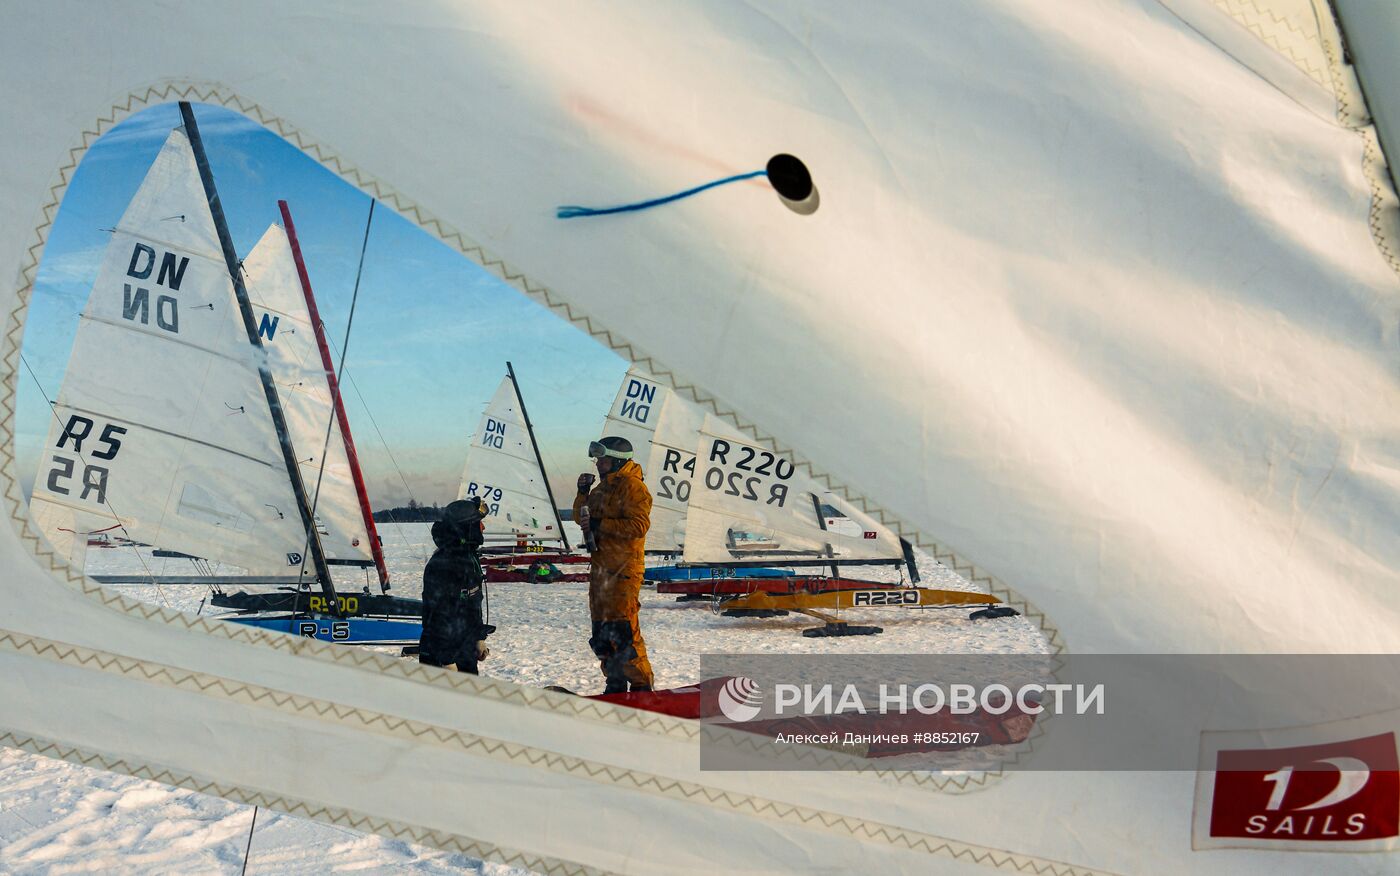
884,597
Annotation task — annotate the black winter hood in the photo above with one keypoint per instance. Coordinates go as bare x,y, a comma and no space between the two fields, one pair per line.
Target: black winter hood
460,525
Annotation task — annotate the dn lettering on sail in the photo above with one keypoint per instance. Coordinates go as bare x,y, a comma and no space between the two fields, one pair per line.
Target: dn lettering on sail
268,326
136,300
495,435
636,406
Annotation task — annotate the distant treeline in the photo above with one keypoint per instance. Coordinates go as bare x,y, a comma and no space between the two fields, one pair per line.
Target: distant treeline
410,513
416,513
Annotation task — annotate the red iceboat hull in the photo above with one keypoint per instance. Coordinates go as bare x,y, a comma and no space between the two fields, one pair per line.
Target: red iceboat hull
695,701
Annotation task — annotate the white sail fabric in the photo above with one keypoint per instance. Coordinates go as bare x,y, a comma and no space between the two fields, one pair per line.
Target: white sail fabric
663,429
671,475
1097,297
749,504
635,411
161,423
502,469
294,357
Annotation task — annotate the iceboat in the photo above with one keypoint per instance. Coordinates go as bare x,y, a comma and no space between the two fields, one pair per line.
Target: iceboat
523,530
751,506
195,410
663,428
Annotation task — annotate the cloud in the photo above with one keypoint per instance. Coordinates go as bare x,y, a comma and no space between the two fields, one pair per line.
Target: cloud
61,272
389,491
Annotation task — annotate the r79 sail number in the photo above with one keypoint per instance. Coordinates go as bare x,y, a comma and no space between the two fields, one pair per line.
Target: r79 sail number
492,496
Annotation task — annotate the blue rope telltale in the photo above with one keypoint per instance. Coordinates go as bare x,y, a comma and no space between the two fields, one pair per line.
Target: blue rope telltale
574,212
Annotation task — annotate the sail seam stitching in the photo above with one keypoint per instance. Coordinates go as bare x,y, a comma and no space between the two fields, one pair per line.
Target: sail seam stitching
64,652
213,94
1255,24
1384,213
504,692
518,753
297,807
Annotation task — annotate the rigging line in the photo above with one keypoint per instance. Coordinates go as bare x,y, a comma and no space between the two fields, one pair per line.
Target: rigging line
115,516
249,848
344,348
398,525
573,211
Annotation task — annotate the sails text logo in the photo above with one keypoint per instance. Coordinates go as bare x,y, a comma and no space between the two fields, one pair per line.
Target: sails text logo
1336,792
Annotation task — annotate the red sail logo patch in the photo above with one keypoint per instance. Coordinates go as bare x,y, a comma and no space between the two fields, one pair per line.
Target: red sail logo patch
1343,791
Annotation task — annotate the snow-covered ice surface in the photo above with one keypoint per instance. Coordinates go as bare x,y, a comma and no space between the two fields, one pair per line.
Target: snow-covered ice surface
59,818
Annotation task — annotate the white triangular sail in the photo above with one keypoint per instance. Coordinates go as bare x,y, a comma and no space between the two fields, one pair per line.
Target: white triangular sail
161,423
503,470
664,429
750,504
284,324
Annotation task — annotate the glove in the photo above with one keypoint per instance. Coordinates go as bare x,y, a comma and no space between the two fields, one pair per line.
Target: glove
585,483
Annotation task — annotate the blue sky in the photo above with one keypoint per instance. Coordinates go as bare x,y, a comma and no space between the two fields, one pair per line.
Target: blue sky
432,330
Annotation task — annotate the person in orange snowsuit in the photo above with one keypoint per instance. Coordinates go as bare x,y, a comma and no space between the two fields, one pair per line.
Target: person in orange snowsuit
615,518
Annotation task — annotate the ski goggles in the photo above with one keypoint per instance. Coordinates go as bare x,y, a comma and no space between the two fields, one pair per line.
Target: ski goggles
596,450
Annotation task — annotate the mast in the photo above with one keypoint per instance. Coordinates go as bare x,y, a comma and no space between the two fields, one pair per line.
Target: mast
333,381
274,404
548,491
914,577
821,521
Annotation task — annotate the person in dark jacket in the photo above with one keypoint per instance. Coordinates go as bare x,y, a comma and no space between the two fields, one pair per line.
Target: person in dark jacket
454,628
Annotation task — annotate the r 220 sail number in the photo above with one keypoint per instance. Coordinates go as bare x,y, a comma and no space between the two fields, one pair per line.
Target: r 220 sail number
68,474
757,477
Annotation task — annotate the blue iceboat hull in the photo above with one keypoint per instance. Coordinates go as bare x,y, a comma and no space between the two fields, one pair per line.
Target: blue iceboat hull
697,573
344,631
